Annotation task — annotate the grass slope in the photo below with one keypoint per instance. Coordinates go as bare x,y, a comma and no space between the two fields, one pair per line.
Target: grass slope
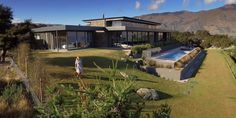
214,94
210,94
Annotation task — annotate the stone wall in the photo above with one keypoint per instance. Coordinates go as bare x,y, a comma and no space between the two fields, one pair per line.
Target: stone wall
189,70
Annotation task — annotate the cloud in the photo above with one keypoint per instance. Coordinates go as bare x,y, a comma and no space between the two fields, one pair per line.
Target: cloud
186,2
137,5
155,4
230,1
225,1
210,1
17,20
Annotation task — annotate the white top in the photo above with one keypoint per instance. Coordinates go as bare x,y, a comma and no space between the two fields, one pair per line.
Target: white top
78,66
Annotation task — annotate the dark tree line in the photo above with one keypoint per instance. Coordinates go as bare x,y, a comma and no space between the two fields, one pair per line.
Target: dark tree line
204,39
12,34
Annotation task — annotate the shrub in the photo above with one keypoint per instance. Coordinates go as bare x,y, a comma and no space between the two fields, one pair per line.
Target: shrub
163,111
11,93
192,55
3,106
158,65
185,59
22,104
99,101
137,49
168,66
22,57
179,64
150,62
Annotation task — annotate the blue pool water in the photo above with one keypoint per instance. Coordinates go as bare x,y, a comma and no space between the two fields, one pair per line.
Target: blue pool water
173,55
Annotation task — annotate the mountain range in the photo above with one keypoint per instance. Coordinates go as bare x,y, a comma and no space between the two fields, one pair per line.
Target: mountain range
217,21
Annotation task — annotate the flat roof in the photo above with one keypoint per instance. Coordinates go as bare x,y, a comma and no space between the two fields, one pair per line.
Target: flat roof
90,28
125,28
67,28
124,18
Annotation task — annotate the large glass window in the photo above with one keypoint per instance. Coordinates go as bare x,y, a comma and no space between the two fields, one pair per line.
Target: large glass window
130,38
151,36
160,36
72,40
116,23
78,39
139,37
62,42
82,39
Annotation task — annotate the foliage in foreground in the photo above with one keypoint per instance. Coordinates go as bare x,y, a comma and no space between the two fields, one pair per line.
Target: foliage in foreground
115,99
137,49
14,102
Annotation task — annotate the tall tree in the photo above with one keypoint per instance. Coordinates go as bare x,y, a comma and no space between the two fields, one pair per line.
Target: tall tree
5,18
18,33
5,24
11,35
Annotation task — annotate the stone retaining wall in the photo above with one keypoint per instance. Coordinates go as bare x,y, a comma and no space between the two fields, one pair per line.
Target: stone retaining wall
189,70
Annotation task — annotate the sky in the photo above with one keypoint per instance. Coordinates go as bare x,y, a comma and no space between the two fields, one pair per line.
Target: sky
72,12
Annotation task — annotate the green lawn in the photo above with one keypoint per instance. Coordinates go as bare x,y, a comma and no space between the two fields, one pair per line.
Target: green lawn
212,93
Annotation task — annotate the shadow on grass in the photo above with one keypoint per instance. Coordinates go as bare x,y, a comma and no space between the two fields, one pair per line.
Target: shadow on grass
87,61
163,96
105,78
62,75
134,96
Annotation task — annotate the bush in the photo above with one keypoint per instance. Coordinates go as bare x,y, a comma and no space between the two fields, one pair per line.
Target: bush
138,49
163,111
159,65
179,64
99,101
204,39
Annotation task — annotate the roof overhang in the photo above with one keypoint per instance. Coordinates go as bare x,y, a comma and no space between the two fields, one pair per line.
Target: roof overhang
125,19
125,28
66,28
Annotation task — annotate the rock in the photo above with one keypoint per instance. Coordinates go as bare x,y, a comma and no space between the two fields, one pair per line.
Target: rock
154,95
148,94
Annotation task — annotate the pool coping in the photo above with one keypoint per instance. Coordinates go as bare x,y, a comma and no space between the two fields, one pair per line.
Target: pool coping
169,62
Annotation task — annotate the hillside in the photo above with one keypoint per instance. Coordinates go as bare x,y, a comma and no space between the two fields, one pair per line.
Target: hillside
218,21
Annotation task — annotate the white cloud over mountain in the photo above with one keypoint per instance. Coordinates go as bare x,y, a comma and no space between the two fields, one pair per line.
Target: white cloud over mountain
155,4
137,5
225,1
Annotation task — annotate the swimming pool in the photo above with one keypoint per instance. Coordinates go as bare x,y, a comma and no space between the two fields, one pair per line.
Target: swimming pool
173,55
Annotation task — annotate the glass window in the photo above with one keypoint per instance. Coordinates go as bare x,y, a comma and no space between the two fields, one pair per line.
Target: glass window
72,41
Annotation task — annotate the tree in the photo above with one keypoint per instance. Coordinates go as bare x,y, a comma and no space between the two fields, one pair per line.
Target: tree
5,24
24,33
18,33
5,18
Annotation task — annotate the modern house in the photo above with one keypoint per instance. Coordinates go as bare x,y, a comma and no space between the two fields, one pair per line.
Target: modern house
103,32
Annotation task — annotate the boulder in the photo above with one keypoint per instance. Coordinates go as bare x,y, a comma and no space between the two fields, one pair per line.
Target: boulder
148,94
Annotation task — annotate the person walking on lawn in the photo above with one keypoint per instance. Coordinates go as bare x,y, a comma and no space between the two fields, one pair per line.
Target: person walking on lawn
78,67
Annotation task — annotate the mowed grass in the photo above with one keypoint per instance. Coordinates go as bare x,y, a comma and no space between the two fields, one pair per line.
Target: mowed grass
211,93
214,95
60,66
